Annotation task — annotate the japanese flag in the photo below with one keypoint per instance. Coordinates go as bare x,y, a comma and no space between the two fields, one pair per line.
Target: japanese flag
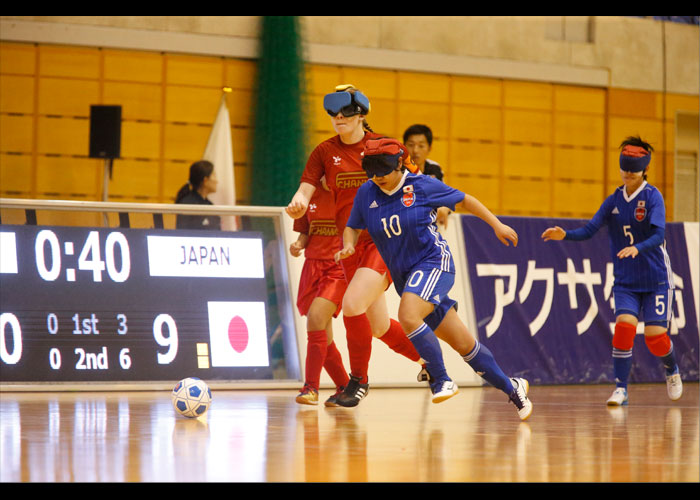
238,334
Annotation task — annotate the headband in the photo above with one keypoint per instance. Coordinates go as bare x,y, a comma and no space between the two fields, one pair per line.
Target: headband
381,156
634,158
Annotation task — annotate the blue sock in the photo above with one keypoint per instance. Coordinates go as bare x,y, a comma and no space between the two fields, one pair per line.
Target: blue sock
428,347
622,364
484,364
669,361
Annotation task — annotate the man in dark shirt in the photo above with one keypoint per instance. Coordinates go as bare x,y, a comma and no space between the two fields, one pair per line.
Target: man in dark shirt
418,139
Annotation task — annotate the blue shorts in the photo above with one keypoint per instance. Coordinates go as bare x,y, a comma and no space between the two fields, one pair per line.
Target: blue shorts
654,308
432,285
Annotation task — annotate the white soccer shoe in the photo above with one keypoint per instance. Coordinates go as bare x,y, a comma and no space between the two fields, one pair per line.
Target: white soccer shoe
618,398
444,390
519,397
674,386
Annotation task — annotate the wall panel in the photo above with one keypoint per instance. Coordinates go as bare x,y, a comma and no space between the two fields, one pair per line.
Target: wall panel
474,158
485,188
579,130
634,103
16,172
135,180
374,83
437,115
139,101
382,118
526,197
476,122
527,95
63,136
18,134
16,94
527,126
18,58
477,91
579,164
191,104
423,87
68,176
185,142
140,140
240,74
133,66
67,97
524,160
194,70
69,62
577,199
579,99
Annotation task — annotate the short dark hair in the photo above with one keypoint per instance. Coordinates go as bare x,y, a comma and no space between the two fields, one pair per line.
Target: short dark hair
419,129
636,141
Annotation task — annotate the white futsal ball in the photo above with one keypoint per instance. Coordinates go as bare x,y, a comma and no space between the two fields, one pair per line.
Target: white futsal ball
191,397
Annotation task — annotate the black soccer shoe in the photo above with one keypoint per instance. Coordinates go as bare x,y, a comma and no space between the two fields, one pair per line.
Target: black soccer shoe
353,393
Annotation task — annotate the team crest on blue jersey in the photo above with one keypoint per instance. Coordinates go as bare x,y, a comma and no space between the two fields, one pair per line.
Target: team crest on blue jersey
640,212
408,197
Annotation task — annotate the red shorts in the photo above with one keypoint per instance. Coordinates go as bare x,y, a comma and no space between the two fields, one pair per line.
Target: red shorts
321,278
366,255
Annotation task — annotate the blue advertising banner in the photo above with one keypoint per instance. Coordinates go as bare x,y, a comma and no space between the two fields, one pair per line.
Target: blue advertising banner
545,309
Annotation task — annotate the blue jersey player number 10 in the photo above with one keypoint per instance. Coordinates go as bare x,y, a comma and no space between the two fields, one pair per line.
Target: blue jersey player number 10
399,211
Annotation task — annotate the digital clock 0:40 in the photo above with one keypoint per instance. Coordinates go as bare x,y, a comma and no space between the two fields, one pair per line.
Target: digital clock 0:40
89,259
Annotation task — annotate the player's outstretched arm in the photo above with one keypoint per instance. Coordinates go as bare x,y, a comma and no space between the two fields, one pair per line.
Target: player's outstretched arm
503,232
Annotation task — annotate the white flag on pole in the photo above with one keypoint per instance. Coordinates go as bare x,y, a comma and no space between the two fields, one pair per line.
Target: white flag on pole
219,151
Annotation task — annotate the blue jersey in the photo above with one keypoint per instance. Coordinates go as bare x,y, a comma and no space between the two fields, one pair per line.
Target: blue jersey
403,223
632,220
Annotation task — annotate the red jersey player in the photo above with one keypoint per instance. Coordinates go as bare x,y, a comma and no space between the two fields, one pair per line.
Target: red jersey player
365,313
321,288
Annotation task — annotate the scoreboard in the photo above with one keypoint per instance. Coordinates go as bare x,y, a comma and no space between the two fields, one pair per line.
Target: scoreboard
81,304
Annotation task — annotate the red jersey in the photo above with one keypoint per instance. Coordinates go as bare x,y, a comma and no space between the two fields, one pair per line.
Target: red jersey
319,224
342,165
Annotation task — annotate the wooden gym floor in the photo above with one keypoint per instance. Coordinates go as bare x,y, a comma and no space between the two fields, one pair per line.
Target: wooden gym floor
394,435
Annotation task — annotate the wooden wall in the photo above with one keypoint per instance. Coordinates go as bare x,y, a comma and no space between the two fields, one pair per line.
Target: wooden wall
523,148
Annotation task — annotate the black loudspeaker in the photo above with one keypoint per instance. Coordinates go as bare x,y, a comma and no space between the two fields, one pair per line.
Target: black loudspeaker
105,131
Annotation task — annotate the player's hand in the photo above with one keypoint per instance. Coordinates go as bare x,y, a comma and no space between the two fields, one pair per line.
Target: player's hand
346,252
553,233
296,248
443,214
297,207
505,234
628,252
